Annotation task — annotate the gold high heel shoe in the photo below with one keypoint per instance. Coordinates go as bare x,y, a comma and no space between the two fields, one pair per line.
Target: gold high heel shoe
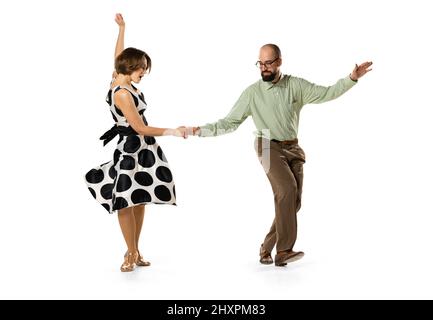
140,261
130,261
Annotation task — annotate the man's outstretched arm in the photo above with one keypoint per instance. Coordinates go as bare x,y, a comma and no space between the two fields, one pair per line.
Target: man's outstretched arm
230,123
312,93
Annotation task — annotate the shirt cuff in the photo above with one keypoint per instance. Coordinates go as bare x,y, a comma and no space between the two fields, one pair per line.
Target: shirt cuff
352,80
349,82
202,131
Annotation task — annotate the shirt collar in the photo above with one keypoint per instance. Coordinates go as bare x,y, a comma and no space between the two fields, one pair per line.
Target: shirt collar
280,83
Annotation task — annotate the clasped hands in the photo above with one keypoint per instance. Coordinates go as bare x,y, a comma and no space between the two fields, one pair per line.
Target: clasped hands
184,132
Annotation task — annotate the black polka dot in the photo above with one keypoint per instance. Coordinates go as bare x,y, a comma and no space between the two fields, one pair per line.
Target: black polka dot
162,193
123,183
161,154
146,158
108,98
150,140
141,95
144,119
95,176
127,163
107,191
135,100
106,206
92,192
174,191
114,116
132,144
143,178
120,203
164,174
140,195
112,172
116,156
120,139
118,111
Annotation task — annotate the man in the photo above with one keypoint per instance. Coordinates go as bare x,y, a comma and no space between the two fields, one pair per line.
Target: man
274,104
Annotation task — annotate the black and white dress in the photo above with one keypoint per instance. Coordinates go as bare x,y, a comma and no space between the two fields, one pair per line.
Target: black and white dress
138,173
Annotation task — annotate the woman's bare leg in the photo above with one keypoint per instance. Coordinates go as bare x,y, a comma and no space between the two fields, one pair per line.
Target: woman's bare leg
139,217
128,226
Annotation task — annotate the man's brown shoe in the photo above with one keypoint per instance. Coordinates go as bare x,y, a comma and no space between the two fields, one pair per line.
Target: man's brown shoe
265,257
284,257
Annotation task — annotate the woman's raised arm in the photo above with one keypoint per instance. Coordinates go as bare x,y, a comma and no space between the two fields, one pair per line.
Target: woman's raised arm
120,43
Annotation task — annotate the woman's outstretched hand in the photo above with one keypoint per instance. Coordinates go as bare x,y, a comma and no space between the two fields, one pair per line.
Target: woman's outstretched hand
178,132
119,20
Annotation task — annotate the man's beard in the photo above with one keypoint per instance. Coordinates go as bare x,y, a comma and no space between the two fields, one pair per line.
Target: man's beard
269,77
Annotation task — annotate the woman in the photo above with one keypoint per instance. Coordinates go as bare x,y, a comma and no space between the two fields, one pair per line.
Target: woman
139,172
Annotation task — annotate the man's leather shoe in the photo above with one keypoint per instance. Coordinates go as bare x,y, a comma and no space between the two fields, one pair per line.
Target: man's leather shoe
265,257
284,257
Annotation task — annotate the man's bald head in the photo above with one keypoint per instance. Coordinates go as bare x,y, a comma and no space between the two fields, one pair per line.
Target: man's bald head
269,62
273,49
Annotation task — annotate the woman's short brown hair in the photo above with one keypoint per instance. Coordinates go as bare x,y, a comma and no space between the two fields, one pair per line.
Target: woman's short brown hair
132,59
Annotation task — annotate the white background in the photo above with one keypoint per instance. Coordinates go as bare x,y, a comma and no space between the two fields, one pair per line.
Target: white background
366,219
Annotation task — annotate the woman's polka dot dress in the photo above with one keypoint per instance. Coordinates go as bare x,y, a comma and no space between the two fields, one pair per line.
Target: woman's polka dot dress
139,172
